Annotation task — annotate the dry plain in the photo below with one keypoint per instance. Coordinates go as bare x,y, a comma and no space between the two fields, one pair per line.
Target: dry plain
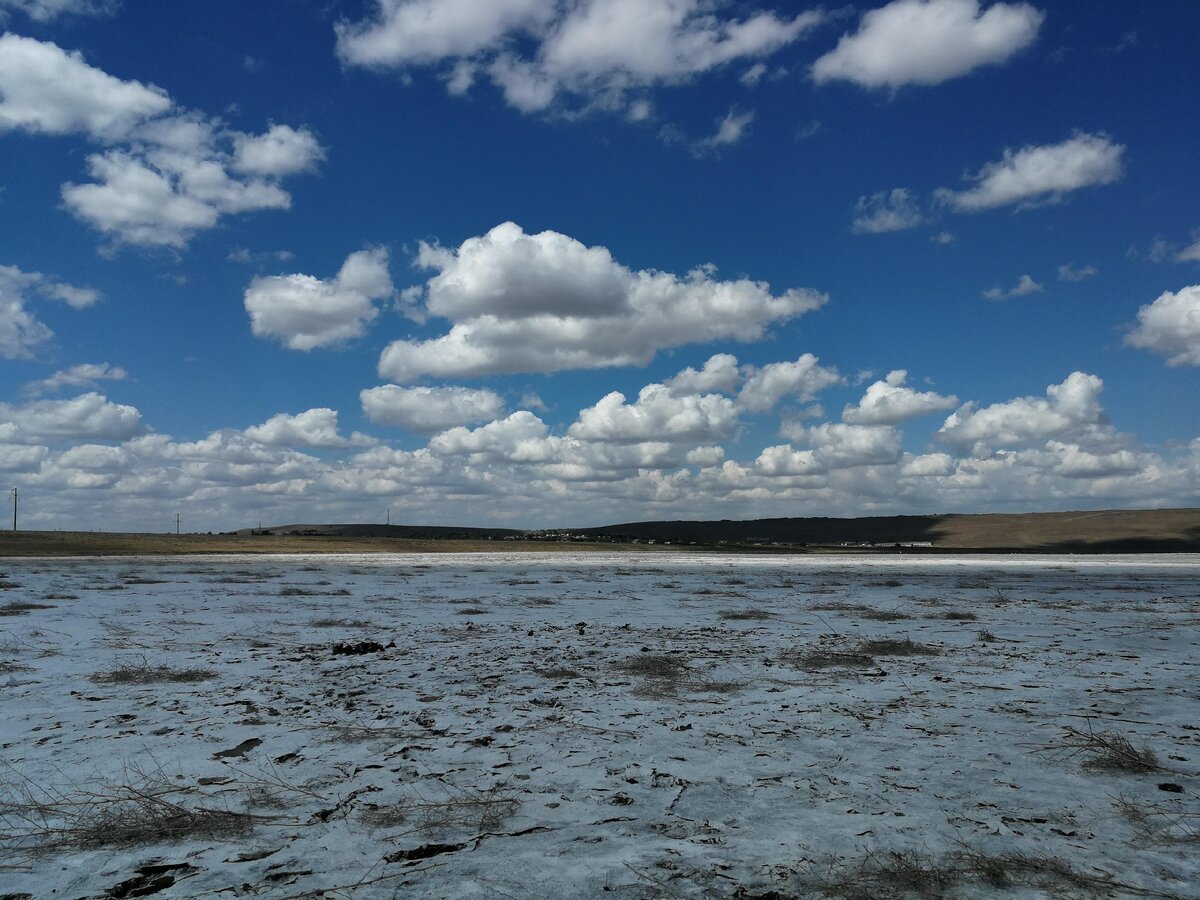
602,724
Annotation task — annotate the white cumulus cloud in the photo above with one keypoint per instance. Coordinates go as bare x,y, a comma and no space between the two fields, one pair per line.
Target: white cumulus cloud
720,373
928,42
545,303
1170,327
282,150
47,90
1040,174
657,415
426,410
163,173
89,416
1069,410
536,51
801,379
890,401
303,312
311,428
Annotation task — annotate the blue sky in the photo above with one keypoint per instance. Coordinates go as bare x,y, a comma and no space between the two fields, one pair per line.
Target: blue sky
553,262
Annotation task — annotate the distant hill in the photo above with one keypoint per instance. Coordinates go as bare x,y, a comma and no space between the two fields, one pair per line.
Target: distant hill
408,532
1102,531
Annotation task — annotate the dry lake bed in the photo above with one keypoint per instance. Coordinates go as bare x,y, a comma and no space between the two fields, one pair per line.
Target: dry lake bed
540,726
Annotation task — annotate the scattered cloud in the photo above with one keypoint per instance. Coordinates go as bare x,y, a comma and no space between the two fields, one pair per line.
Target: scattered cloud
943,238
303,312
927,42
753,75
426,410
894,210
1070,409
1034,175
84,375
47,90
809,129
720,373
546,303
250,257
163,173
48,10
1070,272
1170,327
729,131
657,415
89,416
282,150
801,380
890,402
537,53
1190,253
20,330
1023,288
832,445
311,428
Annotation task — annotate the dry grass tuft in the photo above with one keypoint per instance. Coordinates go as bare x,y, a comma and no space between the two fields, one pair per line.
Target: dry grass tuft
142,672
556,673
664,676
894,875
145,810
21,607
814,660
897,647
885,615
340,623
1106,750
954,615
650,665
1160,823
745,615
466,809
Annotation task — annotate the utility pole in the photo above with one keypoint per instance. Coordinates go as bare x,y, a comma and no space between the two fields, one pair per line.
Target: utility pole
14,493
177,523
389,518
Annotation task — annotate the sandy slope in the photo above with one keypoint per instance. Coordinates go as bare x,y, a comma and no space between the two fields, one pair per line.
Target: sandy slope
499,743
